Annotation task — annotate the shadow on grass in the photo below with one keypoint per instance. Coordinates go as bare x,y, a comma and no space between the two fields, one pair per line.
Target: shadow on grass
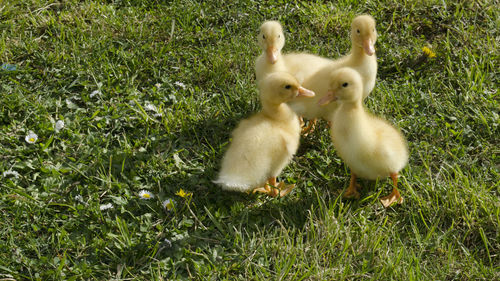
216,220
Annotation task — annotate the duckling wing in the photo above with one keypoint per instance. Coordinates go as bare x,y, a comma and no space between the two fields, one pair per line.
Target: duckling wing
372,148
285,146
390,151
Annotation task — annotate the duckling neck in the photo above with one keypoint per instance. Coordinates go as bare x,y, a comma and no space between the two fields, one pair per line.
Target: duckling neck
279,111
358,53
354,108
350,119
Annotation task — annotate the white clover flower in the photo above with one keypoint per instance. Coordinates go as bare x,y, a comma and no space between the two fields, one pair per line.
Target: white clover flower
168,204
151,107
59,125
172,98
144,194
180,84
167,242
31,137
79,198
106,207
70,104
94,93
11,173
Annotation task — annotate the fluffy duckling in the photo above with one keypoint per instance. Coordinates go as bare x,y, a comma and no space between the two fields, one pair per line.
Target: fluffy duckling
362,58
265,143
271,39
369,145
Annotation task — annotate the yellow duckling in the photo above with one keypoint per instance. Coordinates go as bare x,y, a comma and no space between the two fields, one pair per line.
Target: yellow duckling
369,145
265,143
362,58
271,39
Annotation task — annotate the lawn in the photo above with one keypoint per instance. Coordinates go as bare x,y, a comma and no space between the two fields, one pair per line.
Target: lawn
149,92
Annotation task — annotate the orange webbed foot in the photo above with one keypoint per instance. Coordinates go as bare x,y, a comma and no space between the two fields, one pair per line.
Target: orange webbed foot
265,189
284,189
310,127
394,197
351,194
274,189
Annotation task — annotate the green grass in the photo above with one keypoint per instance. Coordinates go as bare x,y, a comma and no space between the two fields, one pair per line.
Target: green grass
194,62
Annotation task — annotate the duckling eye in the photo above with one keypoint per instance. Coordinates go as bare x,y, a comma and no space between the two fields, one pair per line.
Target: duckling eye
345,84
288,87
263,36
357,30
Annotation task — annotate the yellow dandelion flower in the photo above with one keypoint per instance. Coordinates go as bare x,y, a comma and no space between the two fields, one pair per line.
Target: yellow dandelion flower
428,52
182,193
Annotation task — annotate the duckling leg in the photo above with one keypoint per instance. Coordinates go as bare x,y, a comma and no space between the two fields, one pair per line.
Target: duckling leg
310,127
394,196
352,190
301,120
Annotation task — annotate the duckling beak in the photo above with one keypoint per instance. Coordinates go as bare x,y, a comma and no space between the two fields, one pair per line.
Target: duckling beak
272,54
369,46
303,92
330,96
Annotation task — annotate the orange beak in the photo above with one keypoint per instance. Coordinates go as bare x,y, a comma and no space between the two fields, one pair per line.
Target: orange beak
369,47
272,54
303,92
330,96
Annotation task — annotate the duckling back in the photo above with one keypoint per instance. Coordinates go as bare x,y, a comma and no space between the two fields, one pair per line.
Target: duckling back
303,65
318,82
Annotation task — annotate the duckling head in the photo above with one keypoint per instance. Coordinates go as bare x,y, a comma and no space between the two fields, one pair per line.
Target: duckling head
271,39
364,33
280,87
346,85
